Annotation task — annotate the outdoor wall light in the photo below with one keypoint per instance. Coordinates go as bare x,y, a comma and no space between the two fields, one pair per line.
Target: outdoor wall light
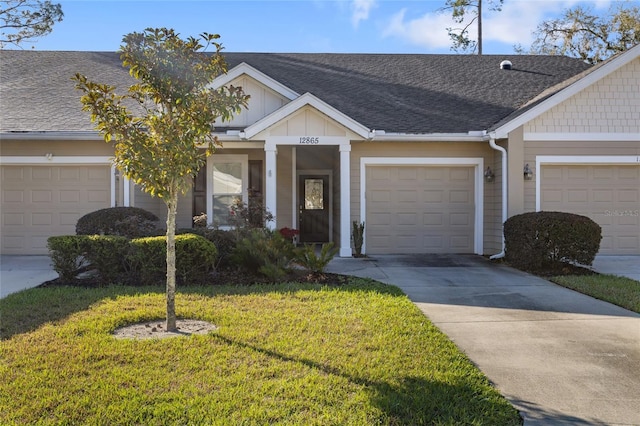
489,176
528,174
49,156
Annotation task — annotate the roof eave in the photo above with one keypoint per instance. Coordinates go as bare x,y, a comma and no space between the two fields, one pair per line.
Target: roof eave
52,135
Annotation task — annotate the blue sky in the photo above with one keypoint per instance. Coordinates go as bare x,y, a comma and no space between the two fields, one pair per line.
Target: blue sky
337,26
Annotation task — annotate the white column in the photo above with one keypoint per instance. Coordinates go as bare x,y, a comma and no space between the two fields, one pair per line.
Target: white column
345,200
271,182
114,182
126,192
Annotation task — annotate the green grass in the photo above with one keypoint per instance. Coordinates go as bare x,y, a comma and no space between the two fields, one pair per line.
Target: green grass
620,291
290,354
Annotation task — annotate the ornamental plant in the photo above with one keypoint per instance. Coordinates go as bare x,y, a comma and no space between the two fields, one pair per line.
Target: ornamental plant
160,124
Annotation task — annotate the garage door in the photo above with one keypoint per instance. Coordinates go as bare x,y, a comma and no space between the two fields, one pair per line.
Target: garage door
610,195
41,201
419,209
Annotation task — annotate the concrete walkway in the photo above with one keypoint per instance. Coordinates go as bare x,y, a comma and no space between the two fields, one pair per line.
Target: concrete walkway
560,357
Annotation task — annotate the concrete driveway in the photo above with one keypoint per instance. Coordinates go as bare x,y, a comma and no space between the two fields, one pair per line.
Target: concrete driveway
22,272
560,357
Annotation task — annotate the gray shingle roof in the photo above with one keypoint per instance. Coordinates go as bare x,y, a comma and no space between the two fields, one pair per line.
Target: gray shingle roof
397,93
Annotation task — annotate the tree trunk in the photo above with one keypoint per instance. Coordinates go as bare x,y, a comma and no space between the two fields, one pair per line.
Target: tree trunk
172,206
480,27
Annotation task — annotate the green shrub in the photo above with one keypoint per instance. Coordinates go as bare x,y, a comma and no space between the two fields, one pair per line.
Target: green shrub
357,233
195,258
306,256
67,255
225,242
107,254
130,222
264,252
548,240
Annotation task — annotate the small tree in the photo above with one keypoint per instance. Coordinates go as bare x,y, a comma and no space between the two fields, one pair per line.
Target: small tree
460,10
24,20
159,149
582,34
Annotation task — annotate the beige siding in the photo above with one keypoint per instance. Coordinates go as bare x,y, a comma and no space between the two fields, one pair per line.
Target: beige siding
263,102
57,148
42,201
307,121
492,197
284,202
611,105
156,206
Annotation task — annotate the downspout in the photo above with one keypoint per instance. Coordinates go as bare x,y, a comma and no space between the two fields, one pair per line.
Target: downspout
492,144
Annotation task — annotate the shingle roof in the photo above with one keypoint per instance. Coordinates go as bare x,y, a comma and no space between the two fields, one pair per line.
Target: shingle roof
398,93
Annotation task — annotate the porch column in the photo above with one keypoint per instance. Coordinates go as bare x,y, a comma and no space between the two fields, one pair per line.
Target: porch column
271,187
345,200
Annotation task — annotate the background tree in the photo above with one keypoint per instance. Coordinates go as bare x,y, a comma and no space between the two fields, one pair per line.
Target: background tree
160,148
25,20
460,12
582,34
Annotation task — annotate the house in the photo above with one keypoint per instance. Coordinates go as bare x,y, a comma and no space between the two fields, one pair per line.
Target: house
432,152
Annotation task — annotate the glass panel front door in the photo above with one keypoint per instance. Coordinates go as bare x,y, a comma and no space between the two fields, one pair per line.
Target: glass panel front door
314,208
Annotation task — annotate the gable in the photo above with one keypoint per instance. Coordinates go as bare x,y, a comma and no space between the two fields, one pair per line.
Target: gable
307,121
610,105
262,102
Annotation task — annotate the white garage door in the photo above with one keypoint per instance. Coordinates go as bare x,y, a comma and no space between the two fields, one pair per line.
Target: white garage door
41,201
419,209
608,194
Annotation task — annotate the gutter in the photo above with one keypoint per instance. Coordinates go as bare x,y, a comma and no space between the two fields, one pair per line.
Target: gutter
492,144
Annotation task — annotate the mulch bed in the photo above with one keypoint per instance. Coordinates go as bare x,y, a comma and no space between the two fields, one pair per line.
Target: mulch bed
223,277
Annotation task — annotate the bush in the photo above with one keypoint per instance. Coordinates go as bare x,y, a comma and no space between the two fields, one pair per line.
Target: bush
225,242
264,252
67,255
195,258
357,233
548,240
107,254
130,222
306,256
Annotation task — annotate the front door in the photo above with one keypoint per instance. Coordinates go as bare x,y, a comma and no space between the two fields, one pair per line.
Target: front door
314,208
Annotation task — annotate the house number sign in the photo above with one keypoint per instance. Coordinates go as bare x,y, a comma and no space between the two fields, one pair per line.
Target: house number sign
309,140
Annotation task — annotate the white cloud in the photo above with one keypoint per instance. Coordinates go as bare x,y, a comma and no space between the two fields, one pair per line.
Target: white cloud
512,25
429,30
361,10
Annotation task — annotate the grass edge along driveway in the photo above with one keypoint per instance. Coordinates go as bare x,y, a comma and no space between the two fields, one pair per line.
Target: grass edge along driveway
359,354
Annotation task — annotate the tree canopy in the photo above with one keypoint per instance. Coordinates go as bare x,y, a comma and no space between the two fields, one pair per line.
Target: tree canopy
161,123
466,13
25,20
581,33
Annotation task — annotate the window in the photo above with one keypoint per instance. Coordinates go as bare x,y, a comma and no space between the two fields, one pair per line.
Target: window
227,179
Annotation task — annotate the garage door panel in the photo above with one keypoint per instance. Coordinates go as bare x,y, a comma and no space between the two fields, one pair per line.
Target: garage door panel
41,201
432,196
41,196
427,209
608,194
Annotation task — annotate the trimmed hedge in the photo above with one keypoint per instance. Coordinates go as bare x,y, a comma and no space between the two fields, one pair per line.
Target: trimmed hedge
548,240
141,261
195,258
67,255
130,222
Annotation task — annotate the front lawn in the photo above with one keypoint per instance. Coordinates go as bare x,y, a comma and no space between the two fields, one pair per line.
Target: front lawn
303,354
620,291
